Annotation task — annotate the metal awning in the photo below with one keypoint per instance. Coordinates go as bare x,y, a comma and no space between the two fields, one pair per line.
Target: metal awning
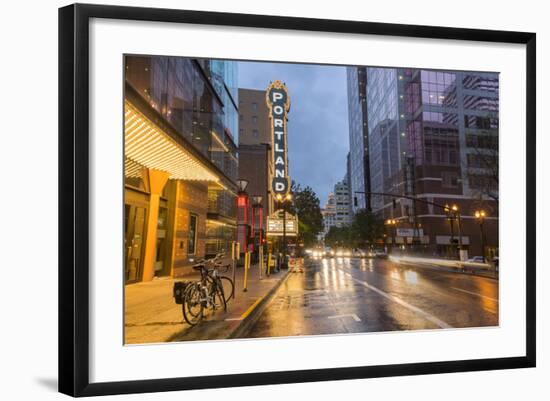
146,144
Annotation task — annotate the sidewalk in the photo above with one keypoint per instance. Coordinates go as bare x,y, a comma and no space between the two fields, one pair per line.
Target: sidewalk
152,316
455,266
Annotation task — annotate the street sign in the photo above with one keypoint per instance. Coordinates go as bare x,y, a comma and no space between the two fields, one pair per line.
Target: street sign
410,232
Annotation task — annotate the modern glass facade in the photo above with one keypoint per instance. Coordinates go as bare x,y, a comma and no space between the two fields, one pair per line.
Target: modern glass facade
358,163
195,100
432,135
452,124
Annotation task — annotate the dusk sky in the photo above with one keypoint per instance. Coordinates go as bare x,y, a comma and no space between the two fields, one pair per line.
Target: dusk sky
318,139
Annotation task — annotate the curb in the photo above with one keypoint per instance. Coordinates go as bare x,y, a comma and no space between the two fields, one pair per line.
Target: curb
253,317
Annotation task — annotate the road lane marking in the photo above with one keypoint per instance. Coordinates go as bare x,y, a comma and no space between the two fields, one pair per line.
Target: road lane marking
475,293
353,315
246,312
438,322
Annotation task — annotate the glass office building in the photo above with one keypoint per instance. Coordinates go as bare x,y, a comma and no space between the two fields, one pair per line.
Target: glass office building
358,158
181,162
433,135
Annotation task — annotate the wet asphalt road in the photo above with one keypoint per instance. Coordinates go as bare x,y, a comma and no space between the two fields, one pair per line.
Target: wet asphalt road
348,295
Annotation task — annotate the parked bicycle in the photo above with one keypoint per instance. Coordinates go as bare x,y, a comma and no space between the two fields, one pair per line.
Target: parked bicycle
212,291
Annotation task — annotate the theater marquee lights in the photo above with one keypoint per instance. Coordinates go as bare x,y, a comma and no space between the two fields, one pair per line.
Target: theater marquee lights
278,103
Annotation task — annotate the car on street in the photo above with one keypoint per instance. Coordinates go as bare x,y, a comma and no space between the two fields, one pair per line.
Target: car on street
476,259
380,254
328,252
342,253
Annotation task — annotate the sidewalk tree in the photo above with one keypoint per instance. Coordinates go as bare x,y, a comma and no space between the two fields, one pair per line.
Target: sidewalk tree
306,206
339,237
366,228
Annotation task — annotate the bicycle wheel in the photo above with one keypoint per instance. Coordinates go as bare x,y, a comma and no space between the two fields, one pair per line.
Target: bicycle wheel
192,306
215,290
218,299
228,287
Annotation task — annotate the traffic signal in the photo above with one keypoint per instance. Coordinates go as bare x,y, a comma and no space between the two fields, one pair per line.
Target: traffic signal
394,203
355,201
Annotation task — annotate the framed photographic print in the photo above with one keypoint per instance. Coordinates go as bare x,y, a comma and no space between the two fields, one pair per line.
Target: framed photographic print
250,199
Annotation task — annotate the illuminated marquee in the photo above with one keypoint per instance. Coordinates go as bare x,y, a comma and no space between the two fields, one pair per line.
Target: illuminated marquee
278,103
275,225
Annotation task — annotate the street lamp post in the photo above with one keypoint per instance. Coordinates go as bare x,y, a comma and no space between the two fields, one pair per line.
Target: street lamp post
391,223
282,203
453,214
480,217
257,206
242,203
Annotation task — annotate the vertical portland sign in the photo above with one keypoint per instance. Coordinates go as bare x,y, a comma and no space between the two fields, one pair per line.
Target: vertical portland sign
278,103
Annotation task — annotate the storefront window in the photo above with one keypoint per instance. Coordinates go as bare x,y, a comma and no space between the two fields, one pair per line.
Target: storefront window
192,241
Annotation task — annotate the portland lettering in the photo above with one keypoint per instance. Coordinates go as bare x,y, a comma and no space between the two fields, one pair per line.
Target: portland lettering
279,105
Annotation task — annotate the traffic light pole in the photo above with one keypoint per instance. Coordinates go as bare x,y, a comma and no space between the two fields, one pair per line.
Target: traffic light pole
444,207
414,199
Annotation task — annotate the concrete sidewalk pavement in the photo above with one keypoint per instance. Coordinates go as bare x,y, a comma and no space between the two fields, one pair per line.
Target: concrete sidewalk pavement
152,316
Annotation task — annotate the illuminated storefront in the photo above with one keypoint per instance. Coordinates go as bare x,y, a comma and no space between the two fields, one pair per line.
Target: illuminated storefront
180,163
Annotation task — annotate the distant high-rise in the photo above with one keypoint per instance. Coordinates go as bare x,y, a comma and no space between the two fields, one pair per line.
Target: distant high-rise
337,211
329,213
342,197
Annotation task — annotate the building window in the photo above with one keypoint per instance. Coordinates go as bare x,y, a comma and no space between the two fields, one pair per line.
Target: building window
480,122
255,119
255,133
254,106
192,240
241,117
241,131
449,179
483,103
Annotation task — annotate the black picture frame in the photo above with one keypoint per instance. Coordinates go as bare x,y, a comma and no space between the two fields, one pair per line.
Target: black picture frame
74,198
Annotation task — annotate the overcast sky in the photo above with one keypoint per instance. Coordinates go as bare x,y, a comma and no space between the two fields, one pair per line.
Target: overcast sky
318,138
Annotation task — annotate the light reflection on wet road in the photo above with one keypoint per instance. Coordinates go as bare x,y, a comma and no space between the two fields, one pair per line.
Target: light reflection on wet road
343,295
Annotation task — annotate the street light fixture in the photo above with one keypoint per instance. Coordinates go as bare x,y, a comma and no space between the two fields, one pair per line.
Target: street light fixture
242,184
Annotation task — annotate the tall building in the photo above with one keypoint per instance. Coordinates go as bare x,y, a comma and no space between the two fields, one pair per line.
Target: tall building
342,199
329,213
433,136
254,125
181,121
358,158
337,210
255,142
